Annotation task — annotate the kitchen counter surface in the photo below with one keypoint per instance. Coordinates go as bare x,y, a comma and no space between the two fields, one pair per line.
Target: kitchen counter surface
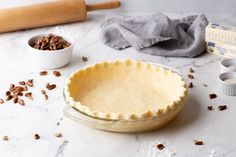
216,128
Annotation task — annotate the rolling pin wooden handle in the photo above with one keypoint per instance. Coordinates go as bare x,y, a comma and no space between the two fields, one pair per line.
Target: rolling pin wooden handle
104,5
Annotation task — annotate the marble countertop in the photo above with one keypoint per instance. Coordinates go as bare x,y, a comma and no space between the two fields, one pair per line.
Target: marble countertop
20,123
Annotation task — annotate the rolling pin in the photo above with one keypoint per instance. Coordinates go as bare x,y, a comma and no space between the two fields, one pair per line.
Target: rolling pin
50,13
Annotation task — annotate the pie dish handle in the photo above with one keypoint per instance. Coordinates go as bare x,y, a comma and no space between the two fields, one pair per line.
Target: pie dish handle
73,114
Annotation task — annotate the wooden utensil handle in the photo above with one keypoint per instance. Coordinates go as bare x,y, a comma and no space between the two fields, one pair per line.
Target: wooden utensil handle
104,5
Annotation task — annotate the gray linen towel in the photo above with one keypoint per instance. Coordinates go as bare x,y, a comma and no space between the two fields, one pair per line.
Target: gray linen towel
156,34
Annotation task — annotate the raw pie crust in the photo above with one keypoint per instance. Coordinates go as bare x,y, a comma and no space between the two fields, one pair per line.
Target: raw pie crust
125,89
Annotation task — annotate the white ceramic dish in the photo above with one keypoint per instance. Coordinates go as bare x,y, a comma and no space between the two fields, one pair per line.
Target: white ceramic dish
53,59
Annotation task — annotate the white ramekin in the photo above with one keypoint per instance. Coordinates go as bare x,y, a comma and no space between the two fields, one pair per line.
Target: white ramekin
228,88
50,59
228,65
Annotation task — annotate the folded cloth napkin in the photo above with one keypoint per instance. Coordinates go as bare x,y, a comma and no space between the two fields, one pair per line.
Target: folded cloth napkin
156,34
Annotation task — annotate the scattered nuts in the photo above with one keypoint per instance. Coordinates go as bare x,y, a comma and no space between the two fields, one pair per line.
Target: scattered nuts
45,96
191,70
9,97
212,96
36,136
30,80
30,83
84,59
190,76
210,108
15,100
160,146
5,138
8,93
58,134
43,73
22,83
24,88
197,142
190,85
16,91
20,94
12,86
56,73
222,107
50,86
1,101
29,95
21,101
43,91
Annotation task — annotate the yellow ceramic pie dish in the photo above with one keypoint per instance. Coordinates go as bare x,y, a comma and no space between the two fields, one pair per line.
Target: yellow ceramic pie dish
124,95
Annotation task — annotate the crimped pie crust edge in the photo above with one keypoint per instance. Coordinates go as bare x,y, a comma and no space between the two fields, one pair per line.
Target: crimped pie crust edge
179,103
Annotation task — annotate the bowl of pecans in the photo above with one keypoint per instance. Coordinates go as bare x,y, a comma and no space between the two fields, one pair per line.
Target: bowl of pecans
50,51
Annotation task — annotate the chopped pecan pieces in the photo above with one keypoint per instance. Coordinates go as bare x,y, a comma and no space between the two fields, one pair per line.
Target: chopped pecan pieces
21,101
191,70
30,83
43,73
18,94
190,76
190,85
160,146
84,59
22,83
29,95
15,92
50,86
222,107
1,101
58,134
24,88
5,138
36,136
197,142
18,89
43,91
45,96
8,93
210,108
15,100
9,97
212,96
12,86
56,73
51,42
